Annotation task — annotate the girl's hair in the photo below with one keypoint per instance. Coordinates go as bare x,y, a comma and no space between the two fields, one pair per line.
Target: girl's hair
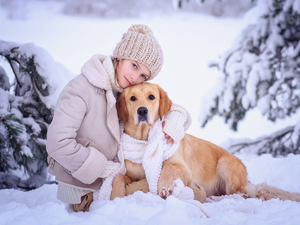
116,62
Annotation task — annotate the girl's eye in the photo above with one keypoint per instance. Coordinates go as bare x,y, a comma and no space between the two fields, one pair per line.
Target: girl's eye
134,66
144,77
151,97
132,98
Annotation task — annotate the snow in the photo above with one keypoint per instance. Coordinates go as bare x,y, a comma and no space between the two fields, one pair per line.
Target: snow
263,104
4,82
34,126
41,206
26,151
4,103
18,115
189,43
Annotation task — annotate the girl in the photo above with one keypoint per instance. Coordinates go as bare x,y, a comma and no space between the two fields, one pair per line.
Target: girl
84,135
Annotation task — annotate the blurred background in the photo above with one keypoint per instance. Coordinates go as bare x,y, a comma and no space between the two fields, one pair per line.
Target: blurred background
135,8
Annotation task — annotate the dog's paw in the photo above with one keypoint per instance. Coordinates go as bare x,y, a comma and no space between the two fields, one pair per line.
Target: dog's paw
165,189
165,193
118,187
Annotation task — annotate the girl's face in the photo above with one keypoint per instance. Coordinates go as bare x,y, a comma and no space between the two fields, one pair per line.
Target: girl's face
130,72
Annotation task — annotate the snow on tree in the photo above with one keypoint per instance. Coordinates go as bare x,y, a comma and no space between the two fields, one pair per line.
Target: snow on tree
26,109
262,69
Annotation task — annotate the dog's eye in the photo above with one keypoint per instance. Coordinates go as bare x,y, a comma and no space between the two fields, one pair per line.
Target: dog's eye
151,97
133,98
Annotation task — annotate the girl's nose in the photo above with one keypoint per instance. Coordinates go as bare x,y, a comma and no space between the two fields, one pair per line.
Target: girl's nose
134,77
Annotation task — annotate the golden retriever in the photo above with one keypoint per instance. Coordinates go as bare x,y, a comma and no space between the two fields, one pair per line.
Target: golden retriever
197,162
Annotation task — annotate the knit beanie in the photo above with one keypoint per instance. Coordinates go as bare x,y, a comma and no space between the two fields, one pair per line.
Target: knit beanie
139,44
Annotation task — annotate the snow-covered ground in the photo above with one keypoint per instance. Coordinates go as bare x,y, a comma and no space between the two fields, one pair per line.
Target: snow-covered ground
40,206
189,42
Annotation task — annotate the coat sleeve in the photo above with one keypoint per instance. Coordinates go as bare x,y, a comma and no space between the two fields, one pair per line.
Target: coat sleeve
84,163
178,120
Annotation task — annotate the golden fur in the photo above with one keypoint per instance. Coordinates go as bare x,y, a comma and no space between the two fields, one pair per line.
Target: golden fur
197,162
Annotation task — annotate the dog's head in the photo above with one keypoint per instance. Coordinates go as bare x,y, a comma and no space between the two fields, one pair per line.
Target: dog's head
143,103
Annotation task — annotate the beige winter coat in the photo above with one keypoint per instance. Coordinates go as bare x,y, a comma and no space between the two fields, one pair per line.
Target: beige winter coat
84,133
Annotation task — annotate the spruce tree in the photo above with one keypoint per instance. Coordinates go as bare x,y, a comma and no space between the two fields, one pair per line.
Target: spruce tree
262,70
24,117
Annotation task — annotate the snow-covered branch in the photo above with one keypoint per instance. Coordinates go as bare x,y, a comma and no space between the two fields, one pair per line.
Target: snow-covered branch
282,142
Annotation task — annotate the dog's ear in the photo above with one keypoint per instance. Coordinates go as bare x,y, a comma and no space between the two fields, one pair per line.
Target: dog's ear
165,103
122,109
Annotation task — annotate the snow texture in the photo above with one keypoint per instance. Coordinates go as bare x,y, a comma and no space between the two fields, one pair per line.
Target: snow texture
41,206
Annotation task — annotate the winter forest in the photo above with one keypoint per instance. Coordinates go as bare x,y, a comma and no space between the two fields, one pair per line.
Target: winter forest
233,64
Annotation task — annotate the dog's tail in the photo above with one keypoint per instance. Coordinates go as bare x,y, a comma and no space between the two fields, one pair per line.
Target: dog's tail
266,192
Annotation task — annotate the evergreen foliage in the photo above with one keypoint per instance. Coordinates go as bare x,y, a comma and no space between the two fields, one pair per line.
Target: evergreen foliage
24,118
262,70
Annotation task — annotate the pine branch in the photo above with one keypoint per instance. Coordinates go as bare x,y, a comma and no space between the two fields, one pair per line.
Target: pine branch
37,92
265,143
4,159
13,69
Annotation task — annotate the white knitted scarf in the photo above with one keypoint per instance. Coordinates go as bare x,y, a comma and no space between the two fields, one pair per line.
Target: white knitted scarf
150,153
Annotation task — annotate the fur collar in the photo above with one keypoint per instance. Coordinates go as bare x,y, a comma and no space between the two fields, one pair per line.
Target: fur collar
100,72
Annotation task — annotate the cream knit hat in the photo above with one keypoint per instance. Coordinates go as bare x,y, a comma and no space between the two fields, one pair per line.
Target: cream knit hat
139,44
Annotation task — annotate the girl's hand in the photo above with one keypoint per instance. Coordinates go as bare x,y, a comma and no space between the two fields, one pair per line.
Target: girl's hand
169,139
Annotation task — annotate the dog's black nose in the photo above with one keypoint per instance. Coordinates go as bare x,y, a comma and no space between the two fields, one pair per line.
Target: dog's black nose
142,111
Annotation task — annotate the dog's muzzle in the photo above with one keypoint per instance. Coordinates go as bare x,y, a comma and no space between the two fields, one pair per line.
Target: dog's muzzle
142,113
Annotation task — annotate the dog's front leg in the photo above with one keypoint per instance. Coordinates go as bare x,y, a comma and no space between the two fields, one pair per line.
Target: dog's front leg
169,173
118,186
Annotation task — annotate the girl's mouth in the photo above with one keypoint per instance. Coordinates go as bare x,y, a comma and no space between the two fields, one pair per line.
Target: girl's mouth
127,81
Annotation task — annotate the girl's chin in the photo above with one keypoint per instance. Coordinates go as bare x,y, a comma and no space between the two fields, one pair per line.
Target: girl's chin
124,85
